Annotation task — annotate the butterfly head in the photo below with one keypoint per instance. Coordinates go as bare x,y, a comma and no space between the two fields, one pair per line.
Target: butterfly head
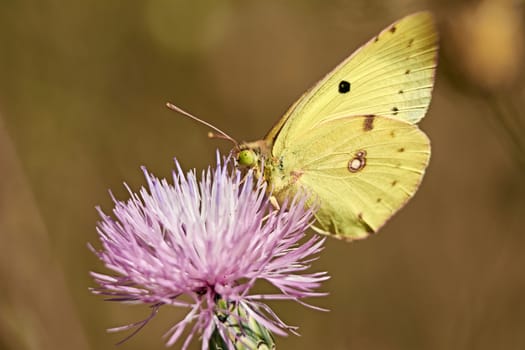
248,158
253,154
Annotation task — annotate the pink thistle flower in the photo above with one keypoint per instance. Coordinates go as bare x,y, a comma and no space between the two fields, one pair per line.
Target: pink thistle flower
209,240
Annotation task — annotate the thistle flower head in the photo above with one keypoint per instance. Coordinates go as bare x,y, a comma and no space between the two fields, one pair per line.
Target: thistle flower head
209,240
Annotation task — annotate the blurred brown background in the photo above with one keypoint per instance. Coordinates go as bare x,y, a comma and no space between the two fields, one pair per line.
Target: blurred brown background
82,93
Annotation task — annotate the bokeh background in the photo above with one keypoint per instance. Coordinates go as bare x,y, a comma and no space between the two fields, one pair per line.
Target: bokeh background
82,93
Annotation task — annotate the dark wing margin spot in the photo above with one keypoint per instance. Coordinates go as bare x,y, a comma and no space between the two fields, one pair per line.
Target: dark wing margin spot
395,110
368,124
407,71
366,226
393,29
376,39
400,92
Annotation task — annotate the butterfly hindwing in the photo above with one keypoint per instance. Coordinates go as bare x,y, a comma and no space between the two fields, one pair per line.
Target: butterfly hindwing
360,169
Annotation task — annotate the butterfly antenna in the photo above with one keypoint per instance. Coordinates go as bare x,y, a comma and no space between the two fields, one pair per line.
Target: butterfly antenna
219,135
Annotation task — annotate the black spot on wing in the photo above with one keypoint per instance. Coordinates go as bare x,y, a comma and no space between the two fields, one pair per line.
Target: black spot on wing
344,86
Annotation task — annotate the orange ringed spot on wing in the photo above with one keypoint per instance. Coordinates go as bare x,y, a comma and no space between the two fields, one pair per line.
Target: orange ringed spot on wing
358,162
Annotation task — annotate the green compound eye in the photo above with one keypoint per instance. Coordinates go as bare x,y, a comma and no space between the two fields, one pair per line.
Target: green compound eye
247,157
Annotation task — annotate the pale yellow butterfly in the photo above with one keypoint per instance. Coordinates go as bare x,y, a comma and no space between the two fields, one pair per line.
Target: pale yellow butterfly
352,140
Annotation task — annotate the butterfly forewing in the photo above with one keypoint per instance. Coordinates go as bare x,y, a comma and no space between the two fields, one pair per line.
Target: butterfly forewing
391,75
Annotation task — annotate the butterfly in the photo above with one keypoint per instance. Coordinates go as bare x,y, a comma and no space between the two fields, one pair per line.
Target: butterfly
352,140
